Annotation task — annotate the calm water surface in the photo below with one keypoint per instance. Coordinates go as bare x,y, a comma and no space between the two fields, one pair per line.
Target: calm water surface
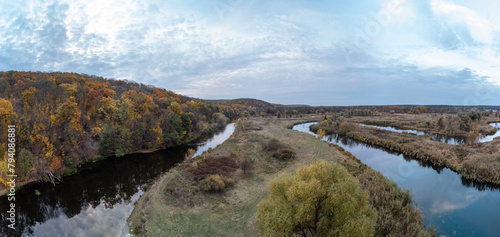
440,137
98,200
454,205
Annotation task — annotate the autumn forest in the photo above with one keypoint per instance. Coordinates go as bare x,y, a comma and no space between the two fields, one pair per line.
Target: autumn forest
65,119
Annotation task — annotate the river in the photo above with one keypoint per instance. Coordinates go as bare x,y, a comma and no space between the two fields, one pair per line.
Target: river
452,204
440,137
98,199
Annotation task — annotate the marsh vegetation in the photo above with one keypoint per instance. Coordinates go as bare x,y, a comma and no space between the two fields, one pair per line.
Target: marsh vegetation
477,161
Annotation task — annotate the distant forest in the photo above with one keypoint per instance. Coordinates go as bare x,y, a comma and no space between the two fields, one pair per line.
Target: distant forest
65,119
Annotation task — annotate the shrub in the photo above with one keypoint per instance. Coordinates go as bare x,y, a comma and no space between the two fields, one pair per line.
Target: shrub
216,184
279,150
213,166
472,138
284,154
272,145
321,133
246,164
240,124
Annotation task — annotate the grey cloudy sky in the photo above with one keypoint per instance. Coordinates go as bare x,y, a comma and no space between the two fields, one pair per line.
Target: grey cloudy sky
289,52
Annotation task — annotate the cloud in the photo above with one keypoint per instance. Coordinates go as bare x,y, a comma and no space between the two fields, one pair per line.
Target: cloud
456,201
91,221
281,51
480,29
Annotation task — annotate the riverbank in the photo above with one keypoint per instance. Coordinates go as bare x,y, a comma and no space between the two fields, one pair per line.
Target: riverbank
175,205
479,162
207,132
424,123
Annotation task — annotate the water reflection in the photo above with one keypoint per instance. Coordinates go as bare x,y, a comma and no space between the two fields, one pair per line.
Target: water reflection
440,137
352,144
455,205
436,137
87,200
97,200
213,141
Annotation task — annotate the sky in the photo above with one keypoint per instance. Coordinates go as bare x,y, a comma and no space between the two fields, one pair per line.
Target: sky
372,52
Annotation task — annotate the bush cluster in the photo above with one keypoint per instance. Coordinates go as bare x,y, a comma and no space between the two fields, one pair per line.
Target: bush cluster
284,154
272,145
216,184
223,166
279,150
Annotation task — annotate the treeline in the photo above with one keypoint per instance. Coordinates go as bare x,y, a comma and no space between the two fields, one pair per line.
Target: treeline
348,111
236,108
265,109
407,109
253,107
64,119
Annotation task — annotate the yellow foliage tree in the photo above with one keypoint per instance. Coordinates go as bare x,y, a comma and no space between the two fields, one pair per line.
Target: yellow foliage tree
69,113
321,133
4,171
322,199
240,124
6,111
70,89
176,108
140,103
107,109
29,96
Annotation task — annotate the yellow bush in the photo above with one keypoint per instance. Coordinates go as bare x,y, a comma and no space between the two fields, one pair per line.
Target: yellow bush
216,184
